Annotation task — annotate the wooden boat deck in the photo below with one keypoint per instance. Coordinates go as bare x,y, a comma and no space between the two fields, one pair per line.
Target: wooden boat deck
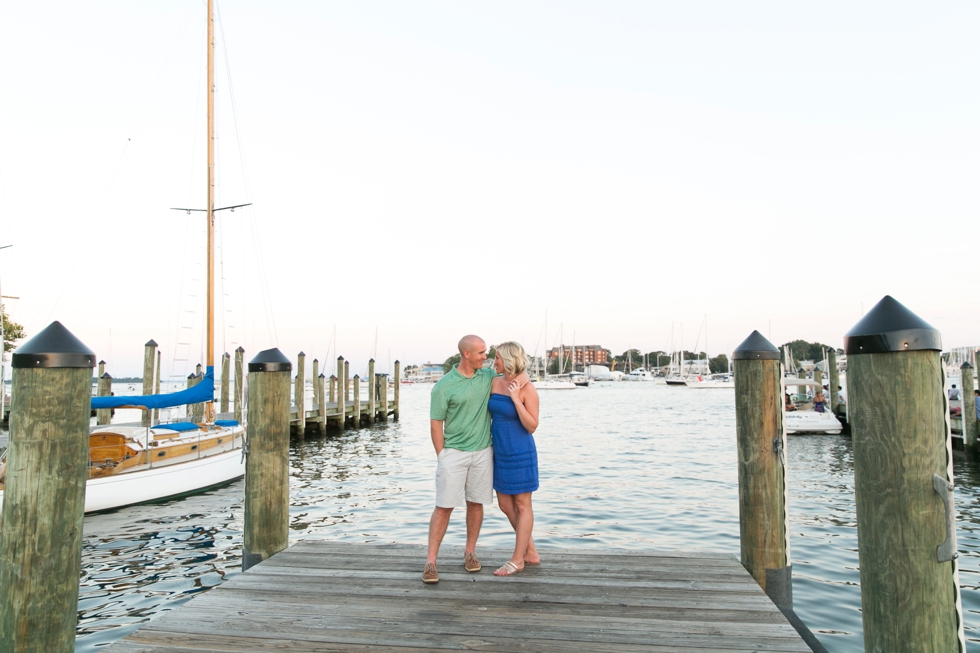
336,596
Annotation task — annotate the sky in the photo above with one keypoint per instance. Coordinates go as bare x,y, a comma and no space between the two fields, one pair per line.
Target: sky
626,172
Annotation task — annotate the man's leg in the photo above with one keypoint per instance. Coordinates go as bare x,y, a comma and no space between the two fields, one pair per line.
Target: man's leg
438,524
474,521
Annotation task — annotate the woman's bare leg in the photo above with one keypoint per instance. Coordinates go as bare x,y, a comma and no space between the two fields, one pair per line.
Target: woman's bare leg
508,506
523,524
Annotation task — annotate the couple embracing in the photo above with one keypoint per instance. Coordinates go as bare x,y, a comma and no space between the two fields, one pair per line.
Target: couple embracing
469,406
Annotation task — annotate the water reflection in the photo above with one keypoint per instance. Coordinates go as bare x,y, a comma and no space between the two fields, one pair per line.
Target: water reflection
632,466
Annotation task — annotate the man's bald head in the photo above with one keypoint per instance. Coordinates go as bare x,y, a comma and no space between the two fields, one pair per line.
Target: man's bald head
471,343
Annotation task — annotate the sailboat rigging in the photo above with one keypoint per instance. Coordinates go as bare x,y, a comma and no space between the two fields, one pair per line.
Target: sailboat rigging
131,464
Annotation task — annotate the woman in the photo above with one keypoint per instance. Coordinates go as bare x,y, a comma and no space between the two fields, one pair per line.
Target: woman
514,414
819,400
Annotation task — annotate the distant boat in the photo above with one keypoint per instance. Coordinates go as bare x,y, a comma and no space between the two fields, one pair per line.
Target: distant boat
711,382
806,420
553,383
639,374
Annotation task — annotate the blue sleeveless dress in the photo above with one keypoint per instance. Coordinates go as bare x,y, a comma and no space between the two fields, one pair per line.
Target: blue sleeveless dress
515,458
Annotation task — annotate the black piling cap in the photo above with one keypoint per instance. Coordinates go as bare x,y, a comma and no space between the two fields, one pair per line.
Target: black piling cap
241,349
966,366
890,327
151,343
301,354
756,348
55,346
322,376
270,360
106,376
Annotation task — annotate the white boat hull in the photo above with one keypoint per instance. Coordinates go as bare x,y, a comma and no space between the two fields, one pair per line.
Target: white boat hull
163,481
553,385
811,422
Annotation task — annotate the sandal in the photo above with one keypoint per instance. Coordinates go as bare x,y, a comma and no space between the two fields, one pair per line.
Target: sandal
471,563
509,569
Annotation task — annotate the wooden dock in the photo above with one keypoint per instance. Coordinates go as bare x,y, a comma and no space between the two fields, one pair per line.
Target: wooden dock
335,596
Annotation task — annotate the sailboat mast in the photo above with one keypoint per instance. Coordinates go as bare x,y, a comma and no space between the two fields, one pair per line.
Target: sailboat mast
209,364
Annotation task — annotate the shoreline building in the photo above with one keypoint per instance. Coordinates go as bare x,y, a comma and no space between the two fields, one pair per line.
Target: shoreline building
581,355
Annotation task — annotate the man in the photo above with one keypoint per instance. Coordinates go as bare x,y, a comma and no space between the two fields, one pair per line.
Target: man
954,393
460,428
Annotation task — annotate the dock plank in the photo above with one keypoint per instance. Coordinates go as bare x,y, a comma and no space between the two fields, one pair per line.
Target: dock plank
338,596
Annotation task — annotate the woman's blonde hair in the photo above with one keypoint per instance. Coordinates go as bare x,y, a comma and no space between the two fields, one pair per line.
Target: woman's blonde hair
515,360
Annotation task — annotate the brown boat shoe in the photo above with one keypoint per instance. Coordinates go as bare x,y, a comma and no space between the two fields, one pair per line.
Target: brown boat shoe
429,574
471,563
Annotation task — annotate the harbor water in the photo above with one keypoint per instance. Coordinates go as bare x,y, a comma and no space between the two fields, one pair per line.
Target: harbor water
623,466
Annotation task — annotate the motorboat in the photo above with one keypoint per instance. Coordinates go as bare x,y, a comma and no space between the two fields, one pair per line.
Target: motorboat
579,379
553,383
712,382
639,374
805,420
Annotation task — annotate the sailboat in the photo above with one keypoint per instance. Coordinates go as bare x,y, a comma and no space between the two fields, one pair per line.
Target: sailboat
133,464
550,382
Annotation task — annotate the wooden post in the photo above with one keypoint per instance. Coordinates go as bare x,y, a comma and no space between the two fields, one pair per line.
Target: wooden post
333,388
44,496
384,397
357,402
340,394
196,410
316,383
763,528
239,383
267,464
969,411
346,385
225,385
300,394
818,379
156,387
372,388
101,368
149,358
322,402
103,416
834,380
903,481
398,385
801,374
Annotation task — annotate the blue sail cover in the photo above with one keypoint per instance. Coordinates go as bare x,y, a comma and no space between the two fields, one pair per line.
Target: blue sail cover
200,393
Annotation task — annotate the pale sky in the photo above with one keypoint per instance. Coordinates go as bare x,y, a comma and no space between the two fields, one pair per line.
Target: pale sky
422,170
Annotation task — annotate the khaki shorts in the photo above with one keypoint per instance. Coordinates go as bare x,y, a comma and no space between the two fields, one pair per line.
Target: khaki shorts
464,476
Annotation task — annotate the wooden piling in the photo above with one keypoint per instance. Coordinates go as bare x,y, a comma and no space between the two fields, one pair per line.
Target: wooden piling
398,386
339,418
316,383
267,462
156,387
225,385
969,411
300,394
333,388
834,379
193,380
763,528
903,482
103,416
322,402
372,388
239,383
149,360
44,495
384,397
356,418
346,384
101,368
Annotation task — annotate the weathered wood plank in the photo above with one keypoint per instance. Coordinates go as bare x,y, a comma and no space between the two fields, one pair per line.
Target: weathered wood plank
338,596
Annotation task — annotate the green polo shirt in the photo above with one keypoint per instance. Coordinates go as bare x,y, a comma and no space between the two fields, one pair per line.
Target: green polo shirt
462,404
